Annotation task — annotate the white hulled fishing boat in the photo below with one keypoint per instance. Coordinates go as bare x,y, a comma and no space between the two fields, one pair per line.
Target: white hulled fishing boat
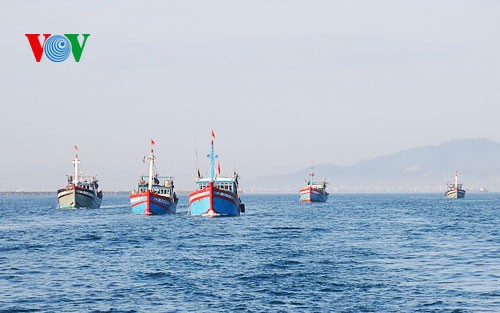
81,191
455,190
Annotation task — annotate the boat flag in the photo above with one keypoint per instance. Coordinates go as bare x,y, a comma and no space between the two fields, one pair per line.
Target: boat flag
213,134
218,167
152,144
76,147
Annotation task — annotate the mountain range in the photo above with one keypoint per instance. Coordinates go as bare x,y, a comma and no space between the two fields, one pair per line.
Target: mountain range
425,169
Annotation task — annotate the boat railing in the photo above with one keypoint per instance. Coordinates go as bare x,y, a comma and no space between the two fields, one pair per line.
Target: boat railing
157,176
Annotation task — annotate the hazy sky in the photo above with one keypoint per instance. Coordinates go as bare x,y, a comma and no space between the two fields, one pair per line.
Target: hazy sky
280,82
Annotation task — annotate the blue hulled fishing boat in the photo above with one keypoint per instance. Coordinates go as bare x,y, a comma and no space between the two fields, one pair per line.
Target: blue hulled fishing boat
156,195
216,196
314,191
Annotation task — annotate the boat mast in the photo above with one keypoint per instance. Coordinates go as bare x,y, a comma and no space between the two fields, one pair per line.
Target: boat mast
151,159
76,161
212,157
312,173
456,179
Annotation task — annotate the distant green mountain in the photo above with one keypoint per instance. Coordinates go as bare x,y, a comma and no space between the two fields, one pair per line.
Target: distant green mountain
426,168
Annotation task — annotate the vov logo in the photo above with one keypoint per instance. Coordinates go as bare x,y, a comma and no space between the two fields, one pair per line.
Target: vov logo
57,48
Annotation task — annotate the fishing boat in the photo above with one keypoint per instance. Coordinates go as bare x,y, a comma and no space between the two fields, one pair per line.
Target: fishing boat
455,190
80,191
217,195
156,195
314,191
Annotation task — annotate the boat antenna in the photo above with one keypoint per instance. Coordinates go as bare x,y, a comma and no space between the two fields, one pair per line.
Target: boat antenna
197,164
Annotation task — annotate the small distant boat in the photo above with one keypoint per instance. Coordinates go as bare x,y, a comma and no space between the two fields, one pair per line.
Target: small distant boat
483,189
455,190
216,196
314,191
156,195
81,191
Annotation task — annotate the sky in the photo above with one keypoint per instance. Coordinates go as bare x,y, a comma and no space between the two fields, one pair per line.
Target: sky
280,82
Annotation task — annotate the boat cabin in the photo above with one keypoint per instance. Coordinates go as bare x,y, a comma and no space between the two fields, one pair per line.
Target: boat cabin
227,184
452,186
317,185
87,183
163,186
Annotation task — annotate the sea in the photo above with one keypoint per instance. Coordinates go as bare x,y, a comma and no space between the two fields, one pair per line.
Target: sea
355,253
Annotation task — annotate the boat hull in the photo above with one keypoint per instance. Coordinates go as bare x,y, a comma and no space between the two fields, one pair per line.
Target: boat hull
455,194
148,203
74,198
310,194
212,201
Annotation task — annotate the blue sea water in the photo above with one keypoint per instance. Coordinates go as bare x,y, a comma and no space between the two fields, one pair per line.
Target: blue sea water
355,253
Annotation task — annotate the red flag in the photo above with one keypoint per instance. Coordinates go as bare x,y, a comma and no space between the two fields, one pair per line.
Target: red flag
76,147
152,142
213,134
218,167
